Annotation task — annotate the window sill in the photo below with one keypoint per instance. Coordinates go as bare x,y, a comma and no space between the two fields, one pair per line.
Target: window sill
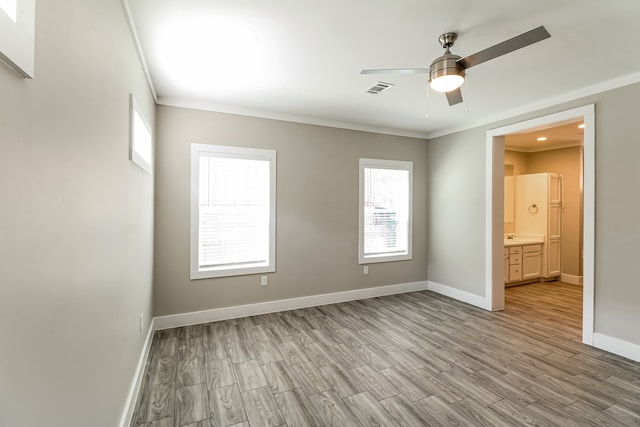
372,259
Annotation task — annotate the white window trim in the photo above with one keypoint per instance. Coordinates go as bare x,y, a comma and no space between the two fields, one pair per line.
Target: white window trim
17,39
134,156
236,152
383,164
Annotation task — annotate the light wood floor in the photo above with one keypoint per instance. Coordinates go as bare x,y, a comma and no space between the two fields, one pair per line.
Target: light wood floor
412,360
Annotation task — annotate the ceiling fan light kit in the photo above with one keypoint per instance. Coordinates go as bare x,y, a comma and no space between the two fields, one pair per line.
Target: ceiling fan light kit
445,74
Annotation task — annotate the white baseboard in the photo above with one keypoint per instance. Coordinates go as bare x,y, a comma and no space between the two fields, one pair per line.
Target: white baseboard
125,421
454,293
216,314
570,278
617,346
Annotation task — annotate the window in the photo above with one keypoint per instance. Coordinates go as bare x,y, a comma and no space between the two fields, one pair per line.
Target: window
140,144
233,205
17,35
385,221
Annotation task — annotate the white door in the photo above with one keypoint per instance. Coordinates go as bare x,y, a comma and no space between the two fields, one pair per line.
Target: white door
554,252
554,225
531,265
555,188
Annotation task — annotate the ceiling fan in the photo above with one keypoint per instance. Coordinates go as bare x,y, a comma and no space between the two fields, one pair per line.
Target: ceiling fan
447,72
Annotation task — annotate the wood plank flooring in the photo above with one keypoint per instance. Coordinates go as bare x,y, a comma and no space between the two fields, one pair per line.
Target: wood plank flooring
414,359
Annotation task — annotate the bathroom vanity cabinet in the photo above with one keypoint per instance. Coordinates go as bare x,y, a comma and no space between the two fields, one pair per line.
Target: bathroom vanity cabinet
522,263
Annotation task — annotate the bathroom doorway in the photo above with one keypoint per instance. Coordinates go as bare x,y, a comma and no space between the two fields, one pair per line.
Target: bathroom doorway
502,148
543,222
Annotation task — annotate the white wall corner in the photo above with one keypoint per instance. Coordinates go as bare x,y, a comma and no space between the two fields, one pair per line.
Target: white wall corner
125,420
459,295
617,346
217,314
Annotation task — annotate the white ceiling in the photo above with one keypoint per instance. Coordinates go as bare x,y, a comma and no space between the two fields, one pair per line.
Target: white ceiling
300,61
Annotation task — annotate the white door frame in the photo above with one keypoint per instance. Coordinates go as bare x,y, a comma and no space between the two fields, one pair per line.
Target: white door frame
494,246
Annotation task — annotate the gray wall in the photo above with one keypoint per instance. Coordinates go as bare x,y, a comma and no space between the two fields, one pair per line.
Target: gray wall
617,295
317,209
76,222
456,206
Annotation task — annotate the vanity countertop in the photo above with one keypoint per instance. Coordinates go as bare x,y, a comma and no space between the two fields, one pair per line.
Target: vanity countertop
528,240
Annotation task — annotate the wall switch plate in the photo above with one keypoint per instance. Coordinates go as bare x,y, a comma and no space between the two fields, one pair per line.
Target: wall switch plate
141,322
365,270
263,281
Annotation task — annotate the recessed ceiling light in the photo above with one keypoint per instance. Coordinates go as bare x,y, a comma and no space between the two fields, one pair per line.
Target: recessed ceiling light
581,126
542,138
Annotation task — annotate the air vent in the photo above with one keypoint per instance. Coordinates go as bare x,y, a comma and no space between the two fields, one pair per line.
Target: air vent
378,88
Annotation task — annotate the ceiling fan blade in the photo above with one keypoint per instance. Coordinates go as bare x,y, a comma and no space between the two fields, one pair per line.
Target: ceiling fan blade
454,97
397,71
507,46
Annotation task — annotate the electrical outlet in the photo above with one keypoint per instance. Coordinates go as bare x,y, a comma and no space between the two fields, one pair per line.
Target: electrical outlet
263,281
365,270
141,322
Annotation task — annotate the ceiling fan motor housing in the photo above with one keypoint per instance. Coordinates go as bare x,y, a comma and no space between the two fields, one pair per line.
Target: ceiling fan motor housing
446,65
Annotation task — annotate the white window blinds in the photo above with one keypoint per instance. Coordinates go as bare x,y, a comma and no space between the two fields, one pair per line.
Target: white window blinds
385,220
235,212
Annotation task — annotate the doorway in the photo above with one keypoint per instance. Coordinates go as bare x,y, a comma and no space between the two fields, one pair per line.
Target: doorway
495,290
543,221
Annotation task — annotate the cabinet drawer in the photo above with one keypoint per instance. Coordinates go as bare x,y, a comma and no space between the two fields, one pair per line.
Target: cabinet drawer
515,250
515,259
515,273
532,248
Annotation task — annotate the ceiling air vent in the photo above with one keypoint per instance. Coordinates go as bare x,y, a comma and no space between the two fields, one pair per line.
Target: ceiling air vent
378,88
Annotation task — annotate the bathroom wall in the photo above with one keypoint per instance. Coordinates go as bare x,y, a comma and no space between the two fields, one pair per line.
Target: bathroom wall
518,159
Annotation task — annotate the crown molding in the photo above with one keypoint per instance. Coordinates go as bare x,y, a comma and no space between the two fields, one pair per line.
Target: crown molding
262,114
138,45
